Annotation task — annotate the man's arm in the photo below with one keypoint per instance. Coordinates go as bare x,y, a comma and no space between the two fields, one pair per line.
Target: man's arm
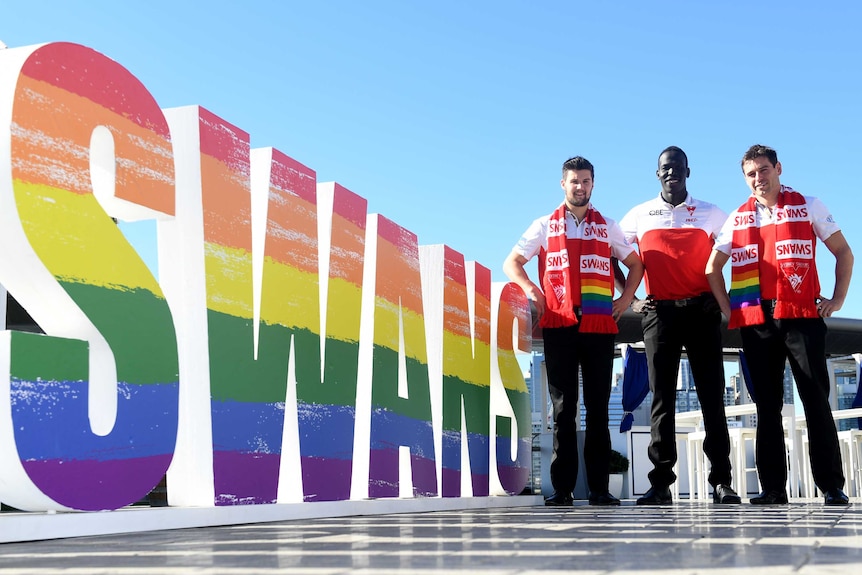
619,276
513,267
715,278
633,280
837,244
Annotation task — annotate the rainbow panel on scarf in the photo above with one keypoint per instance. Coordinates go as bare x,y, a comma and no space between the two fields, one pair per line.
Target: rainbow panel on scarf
64,92
466,374
596,297
745,288
397,421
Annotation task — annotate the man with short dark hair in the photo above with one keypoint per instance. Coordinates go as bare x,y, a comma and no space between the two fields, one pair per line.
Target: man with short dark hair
575,245
675,233
775,301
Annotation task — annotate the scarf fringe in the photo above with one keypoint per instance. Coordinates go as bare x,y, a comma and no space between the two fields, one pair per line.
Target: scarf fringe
598,324
791,309
751,315
554,318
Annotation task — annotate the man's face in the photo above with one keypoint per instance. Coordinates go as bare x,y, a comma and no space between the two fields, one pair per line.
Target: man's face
578,185
763,178
672,172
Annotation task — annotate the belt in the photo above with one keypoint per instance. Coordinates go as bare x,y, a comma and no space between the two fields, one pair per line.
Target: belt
685,302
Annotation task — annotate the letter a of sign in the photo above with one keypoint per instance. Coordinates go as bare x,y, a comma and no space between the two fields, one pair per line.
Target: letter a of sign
398,320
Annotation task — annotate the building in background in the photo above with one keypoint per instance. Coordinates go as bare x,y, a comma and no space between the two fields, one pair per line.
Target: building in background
847,387
686,390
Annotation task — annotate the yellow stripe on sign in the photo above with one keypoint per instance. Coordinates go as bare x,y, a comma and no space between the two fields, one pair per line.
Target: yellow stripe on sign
228,280
290,297
458,360
386,330
510,372
343,310
77,241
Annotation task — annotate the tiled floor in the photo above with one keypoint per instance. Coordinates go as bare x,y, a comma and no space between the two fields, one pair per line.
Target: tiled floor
684,538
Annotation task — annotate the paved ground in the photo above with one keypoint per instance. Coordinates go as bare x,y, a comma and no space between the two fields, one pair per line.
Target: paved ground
684,538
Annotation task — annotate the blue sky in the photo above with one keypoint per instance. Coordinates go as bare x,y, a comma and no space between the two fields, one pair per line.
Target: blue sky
453,118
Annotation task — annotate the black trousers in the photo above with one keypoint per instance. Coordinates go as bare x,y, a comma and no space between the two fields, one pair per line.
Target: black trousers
803,343
666,330
565,351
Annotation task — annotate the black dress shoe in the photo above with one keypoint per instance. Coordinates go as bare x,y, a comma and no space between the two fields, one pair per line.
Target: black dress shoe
559,500
604,499
656,496
770,497
835,497
725,495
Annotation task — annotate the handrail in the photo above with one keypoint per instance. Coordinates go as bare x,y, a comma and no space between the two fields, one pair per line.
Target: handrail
837,414
696,416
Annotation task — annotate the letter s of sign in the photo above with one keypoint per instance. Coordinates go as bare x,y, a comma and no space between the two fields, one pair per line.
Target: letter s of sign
93,402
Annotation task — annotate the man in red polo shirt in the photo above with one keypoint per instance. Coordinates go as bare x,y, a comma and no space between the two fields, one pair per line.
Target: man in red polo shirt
675,233
775,301
575,245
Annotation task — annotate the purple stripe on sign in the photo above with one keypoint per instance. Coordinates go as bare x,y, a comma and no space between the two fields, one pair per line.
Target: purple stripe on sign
243,478
326,479
92,485
383,480
514,475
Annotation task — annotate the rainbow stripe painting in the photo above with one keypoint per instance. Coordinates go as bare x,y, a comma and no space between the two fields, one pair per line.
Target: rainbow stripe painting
93,402
399,419
288,347
326,414
514,434
466,373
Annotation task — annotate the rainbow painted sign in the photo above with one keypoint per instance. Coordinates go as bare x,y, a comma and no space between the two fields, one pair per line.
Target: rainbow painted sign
293,348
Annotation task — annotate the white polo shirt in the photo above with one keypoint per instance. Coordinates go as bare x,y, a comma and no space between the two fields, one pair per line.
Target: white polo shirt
818,214
536,238
822,223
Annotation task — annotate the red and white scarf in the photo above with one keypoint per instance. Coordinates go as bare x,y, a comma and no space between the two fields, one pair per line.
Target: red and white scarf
798,285
596,273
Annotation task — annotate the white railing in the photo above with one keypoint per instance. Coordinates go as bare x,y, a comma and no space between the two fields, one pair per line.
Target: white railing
695,418
795,463
836,415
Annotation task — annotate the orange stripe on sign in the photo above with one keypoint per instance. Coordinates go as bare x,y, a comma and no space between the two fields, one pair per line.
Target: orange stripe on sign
291,232
398,278
53,132
226,205
347,255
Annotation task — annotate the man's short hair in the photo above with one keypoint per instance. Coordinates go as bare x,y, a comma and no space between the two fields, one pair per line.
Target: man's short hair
676,149
760,151
578,163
